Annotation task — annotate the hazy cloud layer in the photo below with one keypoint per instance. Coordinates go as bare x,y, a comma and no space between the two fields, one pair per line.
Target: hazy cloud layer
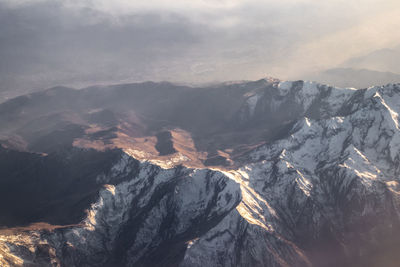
48,42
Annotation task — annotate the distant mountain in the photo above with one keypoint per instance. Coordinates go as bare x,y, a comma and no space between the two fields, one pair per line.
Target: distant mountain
379,67
206,124
264,173
357,78
384,60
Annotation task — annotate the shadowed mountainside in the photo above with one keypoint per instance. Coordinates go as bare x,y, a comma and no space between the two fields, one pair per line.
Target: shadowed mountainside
301,174
215,124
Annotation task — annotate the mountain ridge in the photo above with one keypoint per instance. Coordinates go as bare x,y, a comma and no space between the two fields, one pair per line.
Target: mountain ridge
355,77
323,192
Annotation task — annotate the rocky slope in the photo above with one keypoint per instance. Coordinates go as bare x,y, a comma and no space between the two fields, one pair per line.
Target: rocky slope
316,185
331,188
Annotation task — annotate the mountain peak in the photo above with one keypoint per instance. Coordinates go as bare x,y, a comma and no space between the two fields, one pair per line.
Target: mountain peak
290,169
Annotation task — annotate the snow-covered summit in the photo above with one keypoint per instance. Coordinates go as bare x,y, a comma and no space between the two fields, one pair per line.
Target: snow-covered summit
322,189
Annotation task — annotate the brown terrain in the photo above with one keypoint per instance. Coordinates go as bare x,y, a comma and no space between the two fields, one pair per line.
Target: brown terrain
196,127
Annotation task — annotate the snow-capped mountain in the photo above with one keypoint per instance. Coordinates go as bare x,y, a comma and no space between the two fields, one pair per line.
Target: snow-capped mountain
264,173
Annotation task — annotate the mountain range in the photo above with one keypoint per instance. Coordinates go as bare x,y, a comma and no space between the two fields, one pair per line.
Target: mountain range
378,67
252,173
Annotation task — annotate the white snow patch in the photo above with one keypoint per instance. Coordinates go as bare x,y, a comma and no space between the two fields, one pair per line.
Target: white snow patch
110,188
307,122
370,92
361,166
284,87
308,93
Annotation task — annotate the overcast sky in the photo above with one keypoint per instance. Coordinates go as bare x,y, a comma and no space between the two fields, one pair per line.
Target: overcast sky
44,43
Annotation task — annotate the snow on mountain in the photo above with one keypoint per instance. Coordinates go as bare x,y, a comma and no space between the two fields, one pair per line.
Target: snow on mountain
334,173
326,193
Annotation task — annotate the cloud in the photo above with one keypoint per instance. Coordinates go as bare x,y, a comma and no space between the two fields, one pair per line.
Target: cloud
47,43
44,43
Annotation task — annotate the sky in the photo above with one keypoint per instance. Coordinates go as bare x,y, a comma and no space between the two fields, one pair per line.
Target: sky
44,43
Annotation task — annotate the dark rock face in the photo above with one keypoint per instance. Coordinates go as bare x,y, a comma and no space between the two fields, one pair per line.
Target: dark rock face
164,144
313,177
144,215
55,189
